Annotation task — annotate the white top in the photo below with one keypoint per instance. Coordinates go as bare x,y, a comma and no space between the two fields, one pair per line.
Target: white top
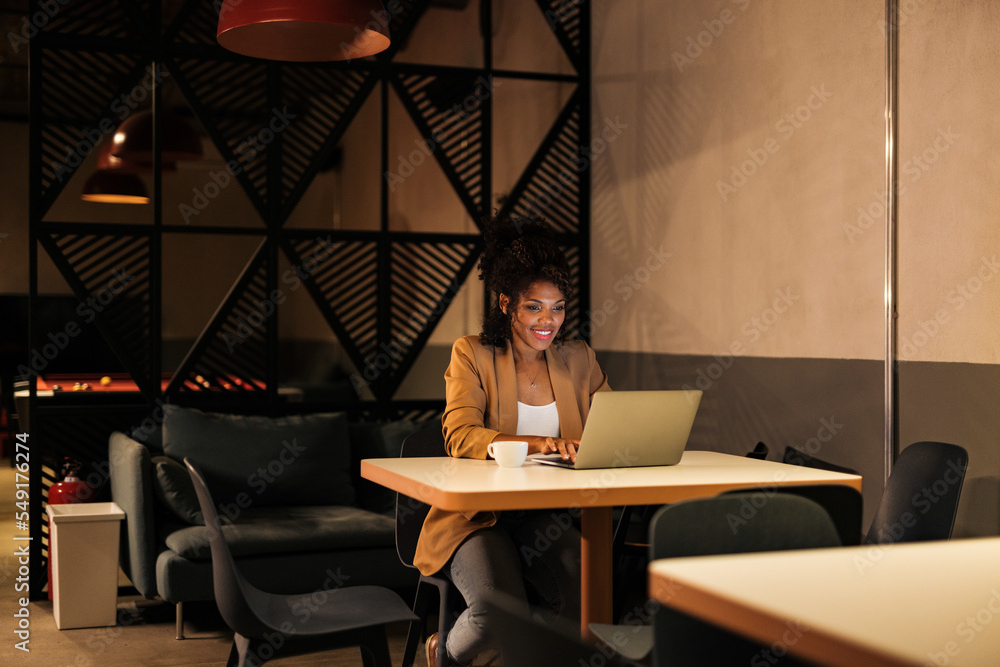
537,419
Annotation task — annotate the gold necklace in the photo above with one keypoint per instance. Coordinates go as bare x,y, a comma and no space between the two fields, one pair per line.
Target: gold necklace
537,371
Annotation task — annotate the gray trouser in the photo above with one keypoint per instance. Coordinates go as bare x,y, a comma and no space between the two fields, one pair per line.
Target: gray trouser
541,546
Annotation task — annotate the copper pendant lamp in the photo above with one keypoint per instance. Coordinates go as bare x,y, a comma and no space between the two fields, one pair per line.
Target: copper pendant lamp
114,182
133,141
304,30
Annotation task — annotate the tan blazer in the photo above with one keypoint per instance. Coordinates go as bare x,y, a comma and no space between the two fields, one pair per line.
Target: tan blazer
481,393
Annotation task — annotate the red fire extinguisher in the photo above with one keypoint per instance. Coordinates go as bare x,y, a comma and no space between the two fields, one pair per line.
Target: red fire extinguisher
70,490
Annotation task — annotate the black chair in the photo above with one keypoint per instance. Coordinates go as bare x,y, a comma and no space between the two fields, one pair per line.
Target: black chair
410,515
706,527
844,504
738,522
630,545
921,496
525,640
264,622
799,458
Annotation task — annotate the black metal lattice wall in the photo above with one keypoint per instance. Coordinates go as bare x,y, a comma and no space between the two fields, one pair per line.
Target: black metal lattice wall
90,53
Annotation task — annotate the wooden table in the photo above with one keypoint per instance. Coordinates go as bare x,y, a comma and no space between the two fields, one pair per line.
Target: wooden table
931,603
469,484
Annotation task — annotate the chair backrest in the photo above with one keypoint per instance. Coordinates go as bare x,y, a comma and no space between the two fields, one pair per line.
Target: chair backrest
760,451
799,458
740,523
843,503
727,524
231,589
921,496
410,512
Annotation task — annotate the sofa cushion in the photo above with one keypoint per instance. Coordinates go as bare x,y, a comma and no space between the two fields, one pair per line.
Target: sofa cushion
263,462
149,433
269,530
174,490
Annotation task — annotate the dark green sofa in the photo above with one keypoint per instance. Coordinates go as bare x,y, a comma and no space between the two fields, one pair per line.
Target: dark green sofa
299,518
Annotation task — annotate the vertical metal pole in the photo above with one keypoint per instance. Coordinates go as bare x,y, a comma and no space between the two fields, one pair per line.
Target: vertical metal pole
891,177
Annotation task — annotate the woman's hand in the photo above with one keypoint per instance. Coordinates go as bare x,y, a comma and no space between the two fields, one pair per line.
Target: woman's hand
562,446
540,444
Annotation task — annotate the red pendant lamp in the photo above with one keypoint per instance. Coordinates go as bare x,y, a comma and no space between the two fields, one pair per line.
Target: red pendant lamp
304,30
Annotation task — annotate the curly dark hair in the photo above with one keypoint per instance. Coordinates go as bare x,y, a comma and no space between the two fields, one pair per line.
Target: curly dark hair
519,252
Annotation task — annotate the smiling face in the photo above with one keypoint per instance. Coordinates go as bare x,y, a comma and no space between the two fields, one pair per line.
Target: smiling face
536,318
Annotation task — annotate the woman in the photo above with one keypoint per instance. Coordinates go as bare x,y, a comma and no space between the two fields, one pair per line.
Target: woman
518,380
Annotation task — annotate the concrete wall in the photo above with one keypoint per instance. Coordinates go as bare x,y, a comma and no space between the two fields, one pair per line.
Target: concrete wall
751,149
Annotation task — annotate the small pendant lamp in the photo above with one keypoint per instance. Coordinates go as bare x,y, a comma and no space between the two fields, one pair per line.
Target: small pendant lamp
114,182
133,141
304,30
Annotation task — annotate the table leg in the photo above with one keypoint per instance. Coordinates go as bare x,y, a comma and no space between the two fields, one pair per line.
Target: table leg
596,567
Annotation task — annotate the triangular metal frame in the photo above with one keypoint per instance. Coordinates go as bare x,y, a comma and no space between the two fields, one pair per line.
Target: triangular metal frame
81,274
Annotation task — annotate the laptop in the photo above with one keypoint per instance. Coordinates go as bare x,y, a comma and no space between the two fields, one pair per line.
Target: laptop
627,429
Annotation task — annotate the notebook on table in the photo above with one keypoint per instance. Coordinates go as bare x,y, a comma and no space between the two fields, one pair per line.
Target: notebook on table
626,429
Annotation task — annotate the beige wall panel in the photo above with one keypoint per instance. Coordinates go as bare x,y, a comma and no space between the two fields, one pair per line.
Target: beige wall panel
949,239
742,138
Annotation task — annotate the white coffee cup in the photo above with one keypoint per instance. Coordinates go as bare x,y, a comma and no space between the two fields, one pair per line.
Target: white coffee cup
508,453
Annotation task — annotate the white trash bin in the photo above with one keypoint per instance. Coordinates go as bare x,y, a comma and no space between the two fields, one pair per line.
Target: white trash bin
84,563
